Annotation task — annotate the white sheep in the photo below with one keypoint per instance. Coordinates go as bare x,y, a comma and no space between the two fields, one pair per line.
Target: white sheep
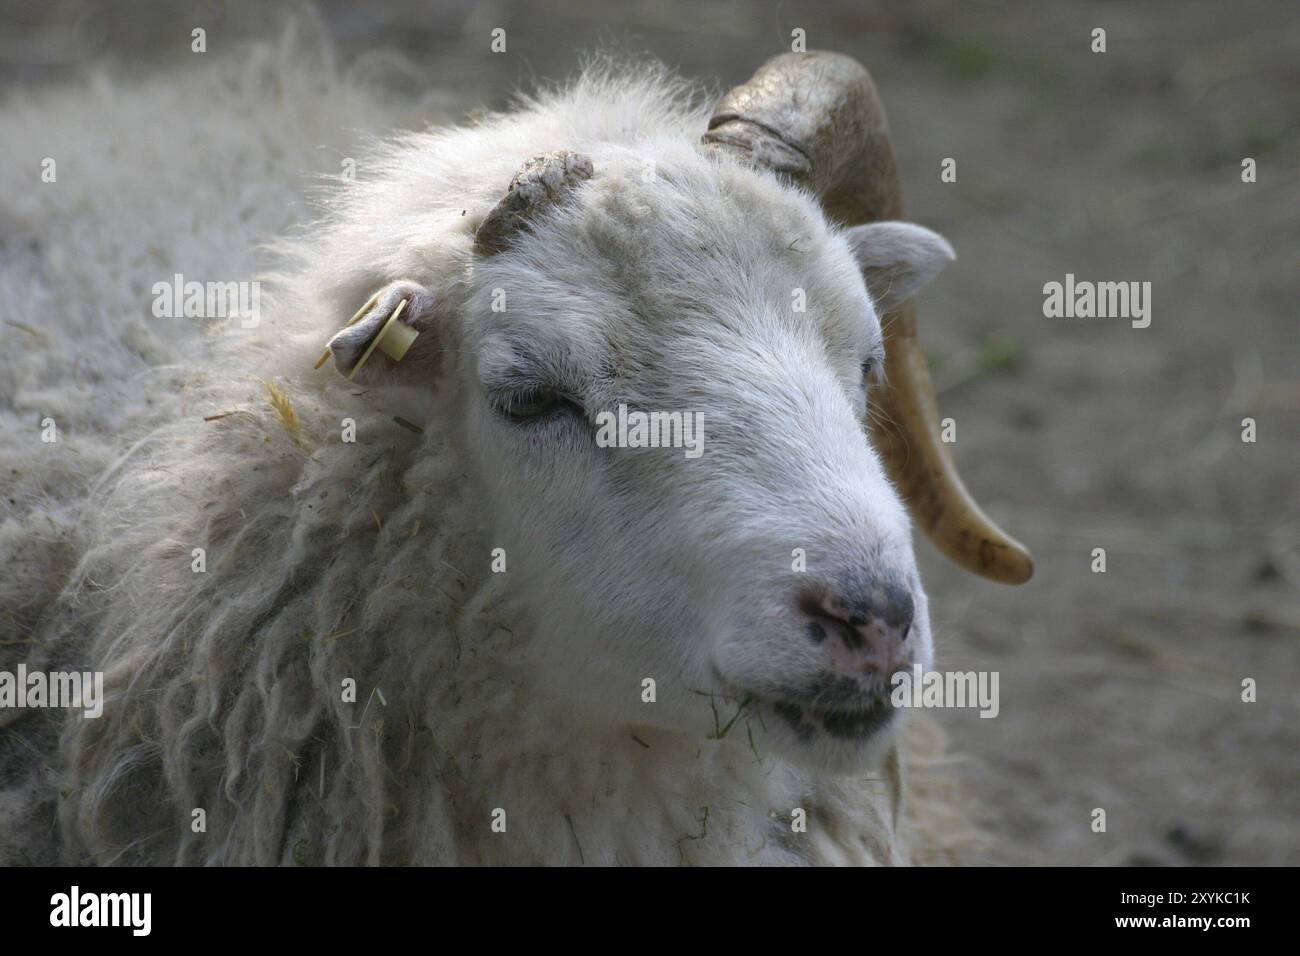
473,634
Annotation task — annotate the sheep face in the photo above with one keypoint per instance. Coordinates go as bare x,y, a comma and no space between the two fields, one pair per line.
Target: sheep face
765,563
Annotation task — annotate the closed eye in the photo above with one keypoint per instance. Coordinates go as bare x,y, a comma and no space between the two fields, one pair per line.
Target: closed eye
533,404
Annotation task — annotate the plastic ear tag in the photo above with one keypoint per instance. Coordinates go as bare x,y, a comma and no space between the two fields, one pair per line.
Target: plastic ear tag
394,338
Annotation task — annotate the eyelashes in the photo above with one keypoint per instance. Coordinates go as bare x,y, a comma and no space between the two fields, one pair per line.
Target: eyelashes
520,401
534,404
518,382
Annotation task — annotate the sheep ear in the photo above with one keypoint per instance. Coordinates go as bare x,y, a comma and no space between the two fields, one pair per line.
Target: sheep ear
392,338
898,259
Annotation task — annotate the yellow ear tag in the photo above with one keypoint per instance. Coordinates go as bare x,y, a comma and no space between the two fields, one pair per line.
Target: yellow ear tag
394,339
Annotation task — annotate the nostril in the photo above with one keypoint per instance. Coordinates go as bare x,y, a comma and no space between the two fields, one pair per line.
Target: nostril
896,605
866,603
811,603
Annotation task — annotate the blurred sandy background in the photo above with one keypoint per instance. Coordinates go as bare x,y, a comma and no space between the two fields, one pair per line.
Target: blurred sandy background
1119,690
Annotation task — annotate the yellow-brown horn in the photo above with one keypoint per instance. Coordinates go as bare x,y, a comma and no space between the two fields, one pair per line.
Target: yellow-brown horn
816,119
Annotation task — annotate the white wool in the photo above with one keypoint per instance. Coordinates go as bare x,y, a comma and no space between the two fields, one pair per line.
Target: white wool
368,562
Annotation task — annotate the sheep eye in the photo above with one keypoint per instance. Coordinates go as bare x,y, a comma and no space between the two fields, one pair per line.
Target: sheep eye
531,404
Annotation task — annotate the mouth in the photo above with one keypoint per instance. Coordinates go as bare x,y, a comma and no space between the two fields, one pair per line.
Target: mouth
856,724
854,717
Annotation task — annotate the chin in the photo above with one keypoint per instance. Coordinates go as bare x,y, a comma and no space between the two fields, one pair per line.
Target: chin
835,742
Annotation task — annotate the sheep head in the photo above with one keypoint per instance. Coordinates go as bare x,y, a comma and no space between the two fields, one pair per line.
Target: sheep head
764,561
816,120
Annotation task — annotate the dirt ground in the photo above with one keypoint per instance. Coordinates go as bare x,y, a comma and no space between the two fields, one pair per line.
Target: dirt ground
1119,690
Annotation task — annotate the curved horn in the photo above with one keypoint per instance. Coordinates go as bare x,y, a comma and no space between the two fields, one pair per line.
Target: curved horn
816,119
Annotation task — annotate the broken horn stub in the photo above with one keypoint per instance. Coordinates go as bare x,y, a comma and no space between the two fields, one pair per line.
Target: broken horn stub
815,119
540,182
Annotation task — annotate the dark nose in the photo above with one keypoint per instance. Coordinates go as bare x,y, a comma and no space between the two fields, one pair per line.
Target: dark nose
864,622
